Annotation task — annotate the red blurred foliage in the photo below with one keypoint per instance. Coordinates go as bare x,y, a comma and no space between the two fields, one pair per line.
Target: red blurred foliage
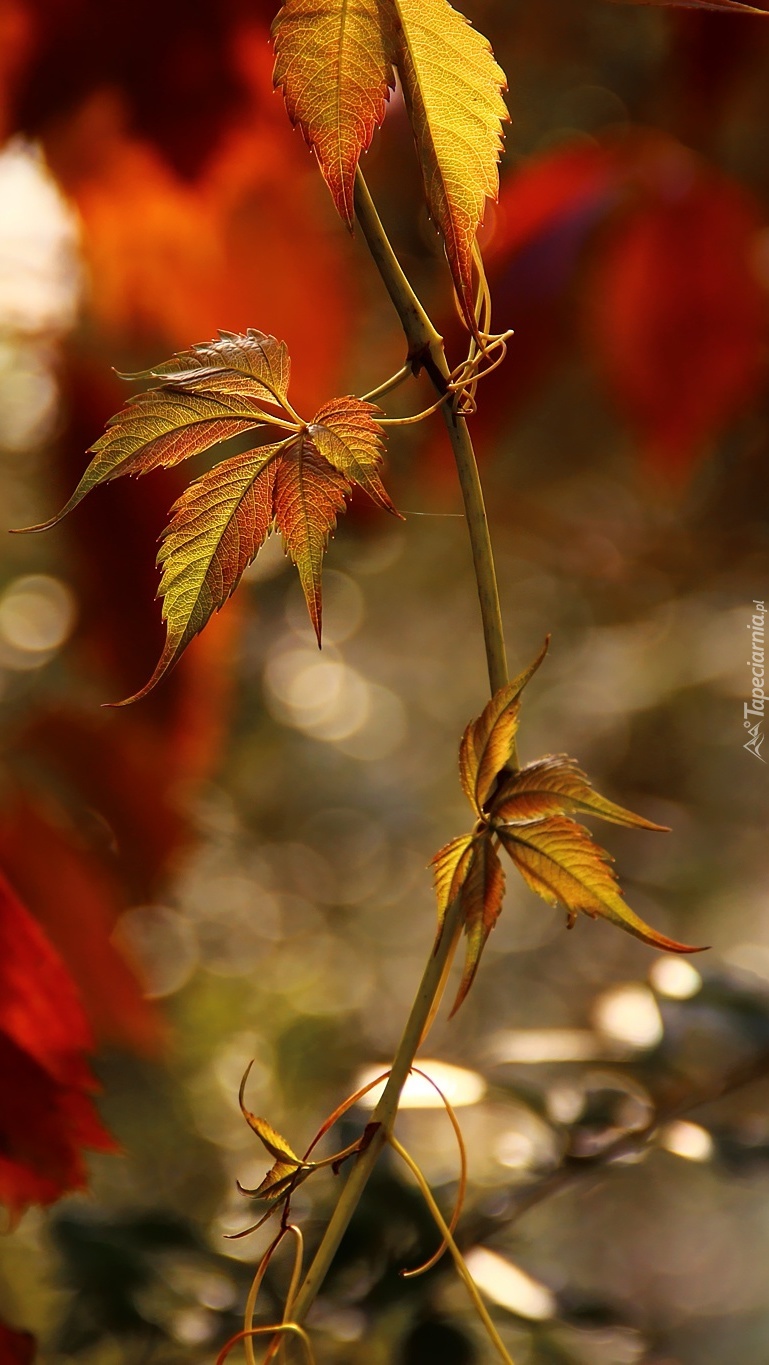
48,1116
16,1348
657,251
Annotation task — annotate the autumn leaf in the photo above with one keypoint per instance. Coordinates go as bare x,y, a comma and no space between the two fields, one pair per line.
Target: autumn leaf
299,484
254,365
289,1169
47,1117
482,890
453,89
487,744
334,64
556,786
528,811
559,860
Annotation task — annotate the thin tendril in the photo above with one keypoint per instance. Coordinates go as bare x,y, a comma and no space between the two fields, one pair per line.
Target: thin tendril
256,1284
456,1254
460,1199
418,417
273,1329
405,372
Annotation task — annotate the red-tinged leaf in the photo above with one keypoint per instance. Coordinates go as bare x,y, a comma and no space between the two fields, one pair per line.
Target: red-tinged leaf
334,63
16,1348
309,495
682,344
449,868
556,786
157,429
77,903
482,890
346,434
47,1116
219,523
559,860
251,364
453,90
725,6
487,744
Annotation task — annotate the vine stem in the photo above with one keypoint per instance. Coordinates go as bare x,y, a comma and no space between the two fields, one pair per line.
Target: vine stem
425,351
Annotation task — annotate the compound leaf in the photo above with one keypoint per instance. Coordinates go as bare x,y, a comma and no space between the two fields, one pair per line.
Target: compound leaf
453,89
488,742
559,860
334,63
218,525
557,786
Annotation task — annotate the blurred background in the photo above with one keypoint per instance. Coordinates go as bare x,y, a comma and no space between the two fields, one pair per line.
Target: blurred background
236,867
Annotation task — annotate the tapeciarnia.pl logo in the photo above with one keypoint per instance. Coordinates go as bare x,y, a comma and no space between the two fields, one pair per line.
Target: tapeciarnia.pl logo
753,710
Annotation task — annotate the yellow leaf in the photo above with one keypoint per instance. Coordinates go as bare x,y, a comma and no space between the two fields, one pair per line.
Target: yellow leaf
556,786
487,744
219,523
334,63
449,866
482,890
453,89
346,434
559,860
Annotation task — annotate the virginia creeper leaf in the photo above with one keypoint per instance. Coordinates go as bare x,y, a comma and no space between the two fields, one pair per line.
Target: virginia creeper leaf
449,868
557,786
250,363
482,890
219,523
345,433
487,743
161,428
309,494
559,860
275,1144
453,90
334,63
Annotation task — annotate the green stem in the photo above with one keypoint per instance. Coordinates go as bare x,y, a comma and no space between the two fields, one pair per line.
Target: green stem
383,1116
426,350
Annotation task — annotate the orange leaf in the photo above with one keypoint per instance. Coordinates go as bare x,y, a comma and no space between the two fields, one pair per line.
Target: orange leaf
482,890
487,743
334,63
309,494
559,860
345,433
219,523
556,786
